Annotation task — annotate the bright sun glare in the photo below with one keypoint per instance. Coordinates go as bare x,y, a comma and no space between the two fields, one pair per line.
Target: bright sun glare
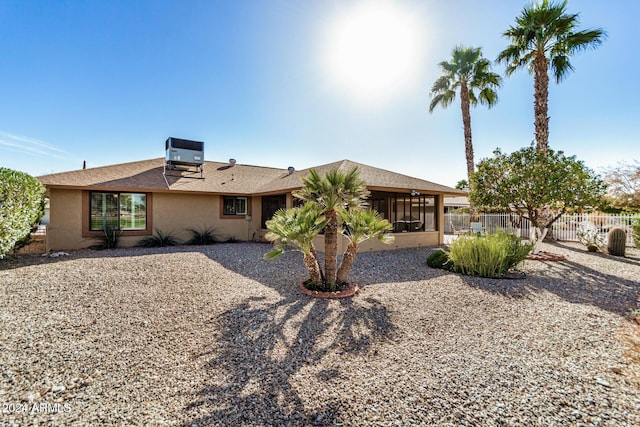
372,50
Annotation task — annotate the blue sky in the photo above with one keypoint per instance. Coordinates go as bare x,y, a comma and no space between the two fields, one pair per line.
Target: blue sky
259,81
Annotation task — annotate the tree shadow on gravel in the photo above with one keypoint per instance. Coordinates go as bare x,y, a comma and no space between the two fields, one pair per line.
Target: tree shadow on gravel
571,281
263,360
632,257
369,268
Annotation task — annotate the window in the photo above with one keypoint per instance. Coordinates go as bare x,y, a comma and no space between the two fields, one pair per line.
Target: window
413,213
121,211
234,206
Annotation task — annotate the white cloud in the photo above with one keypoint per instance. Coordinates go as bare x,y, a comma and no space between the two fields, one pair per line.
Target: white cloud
27,145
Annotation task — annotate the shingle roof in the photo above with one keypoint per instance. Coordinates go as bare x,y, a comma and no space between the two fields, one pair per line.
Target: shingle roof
220,178
376,178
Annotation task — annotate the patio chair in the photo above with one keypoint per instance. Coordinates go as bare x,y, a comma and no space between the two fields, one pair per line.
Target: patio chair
476,228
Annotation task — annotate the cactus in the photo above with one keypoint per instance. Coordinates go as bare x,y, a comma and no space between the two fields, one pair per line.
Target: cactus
617,241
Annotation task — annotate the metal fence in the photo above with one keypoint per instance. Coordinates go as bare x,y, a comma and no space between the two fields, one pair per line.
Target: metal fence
564,228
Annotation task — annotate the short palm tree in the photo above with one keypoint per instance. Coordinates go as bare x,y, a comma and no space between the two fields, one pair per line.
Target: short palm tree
296,228
470,74
361,225
333,193
545,36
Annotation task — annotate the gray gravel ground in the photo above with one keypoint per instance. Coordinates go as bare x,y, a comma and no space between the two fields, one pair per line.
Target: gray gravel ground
217,336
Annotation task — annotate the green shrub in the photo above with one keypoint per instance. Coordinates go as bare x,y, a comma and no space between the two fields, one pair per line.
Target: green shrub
490,255
21,207
635,232
439,259
202,236
158,240
108,239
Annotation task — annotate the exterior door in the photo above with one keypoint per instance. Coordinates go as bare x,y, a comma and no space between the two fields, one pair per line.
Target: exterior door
270,204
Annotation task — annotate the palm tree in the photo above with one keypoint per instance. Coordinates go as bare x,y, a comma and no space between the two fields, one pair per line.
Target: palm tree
469,72
361,225
296,228
545,37
333,193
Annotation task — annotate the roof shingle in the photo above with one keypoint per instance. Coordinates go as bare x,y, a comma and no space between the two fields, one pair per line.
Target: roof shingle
221,178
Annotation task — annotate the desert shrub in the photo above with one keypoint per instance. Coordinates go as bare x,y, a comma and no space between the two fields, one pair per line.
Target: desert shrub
21,207
439,259
108,239
588,235
159,239
635,232
202,236
490,255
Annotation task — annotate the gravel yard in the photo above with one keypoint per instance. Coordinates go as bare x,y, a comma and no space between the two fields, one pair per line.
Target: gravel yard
215,335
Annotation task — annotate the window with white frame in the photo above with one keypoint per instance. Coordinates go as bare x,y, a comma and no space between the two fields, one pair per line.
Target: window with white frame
234,205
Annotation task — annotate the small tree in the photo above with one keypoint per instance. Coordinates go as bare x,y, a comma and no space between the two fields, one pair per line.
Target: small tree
463,184
334,205
296,228
537,185
21,207
361,225
623,183
332,194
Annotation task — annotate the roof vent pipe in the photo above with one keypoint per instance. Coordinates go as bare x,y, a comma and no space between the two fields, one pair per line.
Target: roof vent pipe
291,169
232,162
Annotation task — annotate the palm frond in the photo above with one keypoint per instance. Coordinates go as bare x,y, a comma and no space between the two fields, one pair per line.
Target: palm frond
361,225
294,228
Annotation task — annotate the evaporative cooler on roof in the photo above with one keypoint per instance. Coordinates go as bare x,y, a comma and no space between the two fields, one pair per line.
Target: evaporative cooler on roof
184,152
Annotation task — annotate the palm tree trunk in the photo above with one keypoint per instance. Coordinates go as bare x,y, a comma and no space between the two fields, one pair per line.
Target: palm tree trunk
347,262
311,262
468,144
331,246
541,98
315,255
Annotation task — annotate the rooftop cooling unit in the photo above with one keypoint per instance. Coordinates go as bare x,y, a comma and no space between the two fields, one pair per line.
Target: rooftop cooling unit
184,152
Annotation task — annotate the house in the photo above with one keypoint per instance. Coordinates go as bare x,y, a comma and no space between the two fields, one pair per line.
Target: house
234,199
453,204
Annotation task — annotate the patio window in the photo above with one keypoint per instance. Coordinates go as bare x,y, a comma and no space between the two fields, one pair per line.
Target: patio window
234,206
412,213
120,211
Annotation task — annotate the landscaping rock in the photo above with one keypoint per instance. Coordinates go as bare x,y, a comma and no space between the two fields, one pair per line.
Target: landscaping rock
215,335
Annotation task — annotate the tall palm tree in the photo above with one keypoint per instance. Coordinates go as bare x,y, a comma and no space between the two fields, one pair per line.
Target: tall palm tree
545,36
471,74
333,193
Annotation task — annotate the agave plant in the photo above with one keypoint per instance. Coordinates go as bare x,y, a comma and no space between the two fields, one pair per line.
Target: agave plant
159,239
202,236
108,239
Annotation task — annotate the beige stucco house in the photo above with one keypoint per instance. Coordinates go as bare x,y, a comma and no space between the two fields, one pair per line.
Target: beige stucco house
234,199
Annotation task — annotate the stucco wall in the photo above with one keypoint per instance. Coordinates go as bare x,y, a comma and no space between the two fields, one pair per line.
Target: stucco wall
171,213
65,220
401,240
174,213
